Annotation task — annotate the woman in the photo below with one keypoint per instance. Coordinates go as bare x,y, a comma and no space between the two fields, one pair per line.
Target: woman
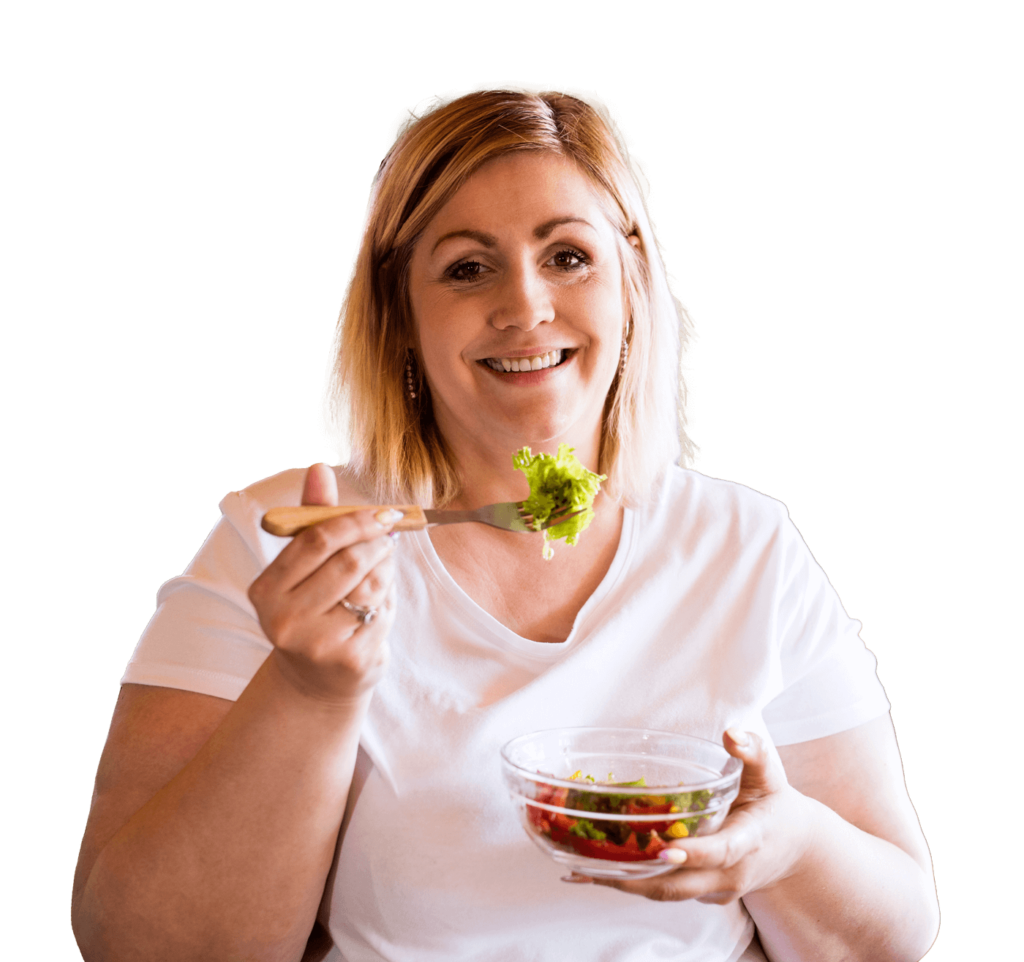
268,761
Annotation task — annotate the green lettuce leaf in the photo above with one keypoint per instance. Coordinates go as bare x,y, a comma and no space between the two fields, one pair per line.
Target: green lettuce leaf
587,829
559,483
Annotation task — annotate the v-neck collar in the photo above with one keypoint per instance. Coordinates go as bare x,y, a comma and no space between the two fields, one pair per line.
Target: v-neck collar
493,631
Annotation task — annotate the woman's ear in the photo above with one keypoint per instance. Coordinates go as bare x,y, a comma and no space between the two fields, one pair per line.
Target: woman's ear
634,241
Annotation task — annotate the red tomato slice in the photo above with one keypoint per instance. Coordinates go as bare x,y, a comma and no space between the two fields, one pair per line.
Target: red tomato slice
541,818
549,795
538,818
560,821
633,808
607,849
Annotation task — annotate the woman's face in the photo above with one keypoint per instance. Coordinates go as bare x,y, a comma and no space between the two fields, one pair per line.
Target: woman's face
519,270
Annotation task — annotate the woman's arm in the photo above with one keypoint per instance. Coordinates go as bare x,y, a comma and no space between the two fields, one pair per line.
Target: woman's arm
213,825
864,888
831,864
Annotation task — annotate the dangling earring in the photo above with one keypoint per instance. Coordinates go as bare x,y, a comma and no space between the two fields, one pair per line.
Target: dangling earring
410,387
625,357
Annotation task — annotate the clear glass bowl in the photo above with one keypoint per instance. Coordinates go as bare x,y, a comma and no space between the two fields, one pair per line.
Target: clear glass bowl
605,801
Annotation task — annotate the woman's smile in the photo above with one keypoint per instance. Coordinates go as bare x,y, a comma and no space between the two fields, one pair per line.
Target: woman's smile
540,361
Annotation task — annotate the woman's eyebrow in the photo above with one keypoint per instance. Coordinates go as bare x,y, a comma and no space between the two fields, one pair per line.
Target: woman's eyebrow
549,225
489,240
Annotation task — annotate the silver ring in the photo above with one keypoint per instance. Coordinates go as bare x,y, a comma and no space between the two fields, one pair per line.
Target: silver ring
365,615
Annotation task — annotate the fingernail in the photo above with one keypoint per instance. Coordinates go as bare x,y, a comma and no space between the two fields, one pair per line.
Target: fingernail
394,535
739,737
674,855
388,516
577,879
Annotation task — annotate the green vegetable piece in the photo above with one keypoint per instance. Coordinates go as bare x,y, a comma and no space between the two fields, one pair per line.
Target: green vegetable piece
586,829
690,801
641,782
582,801
559,484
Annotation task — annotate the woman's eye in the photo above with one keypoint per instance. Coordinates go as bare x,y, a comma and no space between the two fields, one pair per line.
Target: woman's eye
465,271
568,259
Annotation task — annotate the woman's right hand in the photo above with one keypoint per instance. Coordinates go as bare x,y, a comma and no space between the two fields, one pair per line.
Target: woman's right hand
320,647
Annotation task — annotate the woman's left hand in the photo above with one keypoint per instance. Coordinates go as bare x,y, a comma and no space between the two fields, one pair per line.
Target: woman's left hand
760,842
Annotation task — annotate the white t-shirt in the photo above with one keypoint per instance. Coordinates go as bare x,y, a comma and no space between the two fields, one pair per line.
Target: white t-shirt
713,614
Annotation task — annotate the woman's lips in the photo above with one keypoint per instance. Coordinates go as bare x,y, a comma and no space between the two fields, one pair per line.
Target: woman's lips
522,365
534,362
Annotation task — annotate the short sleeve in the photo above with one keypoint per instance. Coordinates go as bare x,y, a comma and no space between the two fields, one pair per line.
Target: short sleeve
205,636
829,679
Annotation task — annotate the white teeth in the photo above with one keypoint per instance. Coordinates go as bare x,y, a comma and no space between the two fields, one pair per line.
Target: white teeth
536,363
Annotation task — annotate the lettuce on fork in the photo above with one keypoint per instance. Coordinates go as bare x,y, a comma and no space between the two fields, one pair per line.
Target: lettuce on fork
559,484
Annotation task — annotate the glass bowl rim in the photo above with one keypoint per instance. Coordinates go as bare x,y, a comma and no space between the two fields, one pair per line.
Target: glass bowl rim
734,766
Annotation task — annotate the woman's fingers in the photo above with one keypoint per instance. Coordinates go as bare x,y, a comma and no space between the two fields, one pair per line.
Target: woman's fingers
762,771
739,837
712,886
309,549
320,646
289,616
321,485
373,589
342,573
751,848
330,652
706,863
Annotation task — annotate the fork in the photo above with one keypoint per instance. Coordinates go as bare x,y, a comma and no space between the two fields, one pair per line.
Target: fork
509,515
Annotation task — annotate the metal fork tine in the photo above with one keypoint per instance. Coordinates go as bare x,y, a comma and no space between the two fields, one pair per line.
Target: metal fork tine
559,514
508,515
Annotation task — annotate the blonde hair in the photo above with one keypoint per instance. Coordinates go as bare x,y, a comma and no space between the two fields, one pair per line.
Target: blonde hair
396,446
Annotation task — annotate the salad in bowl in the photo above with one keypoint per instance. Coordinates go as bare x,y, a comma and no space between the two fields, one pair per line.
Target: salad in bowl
573,807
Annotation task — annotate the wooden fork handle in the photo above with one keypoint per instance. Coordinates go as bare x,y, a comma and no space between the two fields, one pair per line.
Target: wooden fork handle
288,521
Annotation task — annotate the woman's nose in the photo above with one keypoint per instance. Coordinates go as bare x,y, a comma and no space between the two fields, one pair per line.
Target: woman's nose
523,300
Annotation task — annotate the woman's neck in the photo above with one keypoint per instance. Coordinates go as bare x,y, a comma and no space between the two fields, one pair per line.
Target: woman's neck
486,471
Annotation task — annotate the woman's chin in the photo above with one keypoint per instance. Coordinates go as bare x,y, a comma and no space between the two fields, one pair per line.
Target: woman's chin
502,427
545,431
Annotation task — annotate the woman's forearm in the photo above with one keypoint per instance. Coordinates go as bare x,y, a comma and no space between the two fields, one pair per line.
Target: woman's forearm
229,859
850,897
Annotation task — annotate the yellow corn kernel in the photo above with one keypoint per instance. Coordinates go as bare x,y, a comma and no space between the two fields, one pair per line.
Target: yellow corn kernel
573,778
674,808
677,830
